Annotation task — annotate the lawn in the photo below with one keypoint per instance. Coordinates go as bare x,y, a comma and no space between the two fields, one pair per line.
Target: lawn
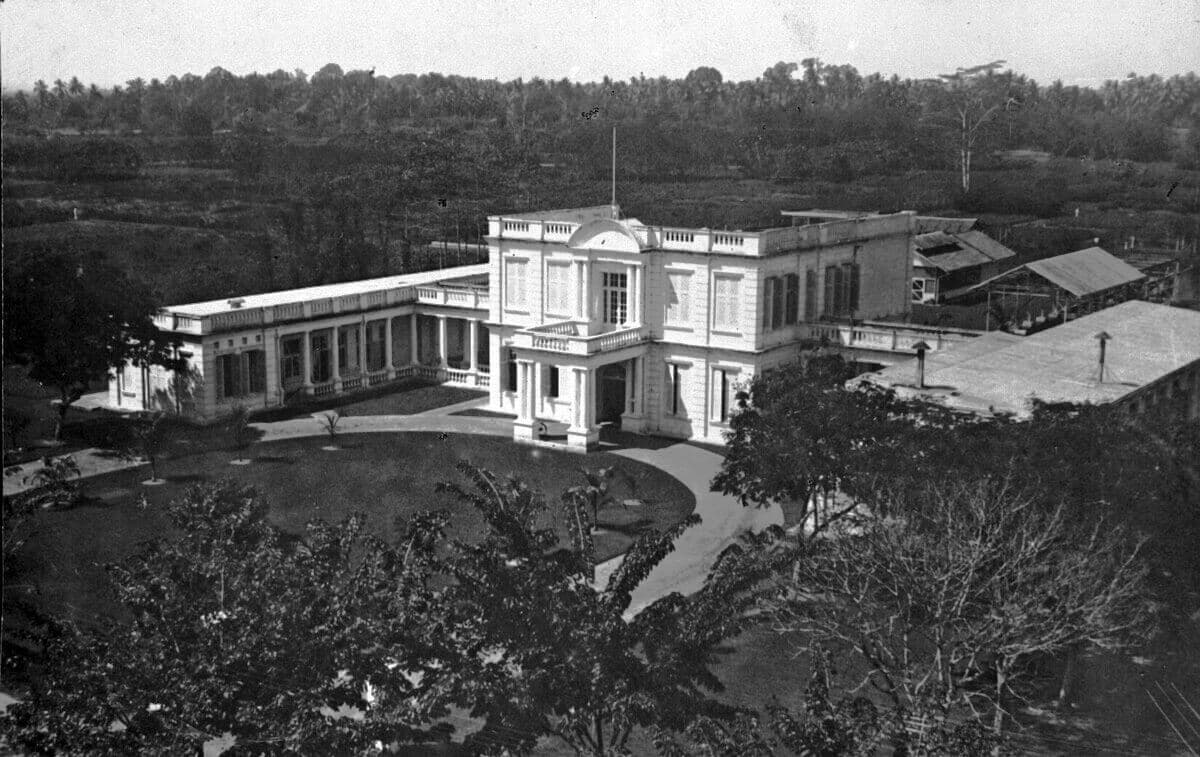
407,398
383,476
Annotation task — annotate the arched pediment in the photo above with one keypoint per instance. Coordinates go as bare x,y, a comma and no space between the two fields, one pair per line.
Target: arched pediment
605,234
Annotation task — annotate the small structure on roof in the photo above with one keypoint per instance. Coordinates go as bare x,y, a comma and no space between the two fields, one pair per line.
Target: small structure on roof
950,256
1042,293
1142,355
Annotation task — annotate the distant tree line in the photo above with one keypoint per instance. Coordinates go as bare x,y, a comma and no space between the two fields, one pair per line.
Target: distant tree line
793,119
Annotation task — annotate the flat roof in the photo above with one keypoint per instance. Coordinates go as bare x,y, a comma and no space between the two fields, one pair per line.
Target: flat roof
819,213
324,291
1002,372
562,215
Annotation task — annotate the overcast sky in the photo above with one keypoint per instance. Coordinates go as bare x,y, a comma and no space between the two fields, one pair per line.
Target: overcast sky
111,41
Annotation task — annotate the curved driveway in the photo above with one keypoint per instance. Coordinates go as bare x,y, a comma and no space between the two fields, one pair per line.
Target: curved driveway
684,570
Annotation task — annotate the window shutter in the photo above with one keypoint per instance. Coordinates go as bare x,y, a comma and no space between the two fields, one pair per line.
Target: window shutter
810,294
830,290
768,302
792,307
852,304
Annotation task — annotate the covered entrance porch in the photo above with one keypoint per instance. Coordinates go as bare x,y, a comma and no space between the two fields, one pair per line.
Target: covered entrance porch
568,403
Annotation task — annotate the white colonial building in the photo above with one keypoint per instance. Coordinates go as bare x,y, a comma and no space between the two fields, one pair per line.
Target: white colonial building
580,318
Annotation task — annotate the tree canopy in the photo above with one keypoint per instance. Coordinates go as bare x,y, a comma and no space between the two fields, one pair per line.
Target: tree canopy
73,321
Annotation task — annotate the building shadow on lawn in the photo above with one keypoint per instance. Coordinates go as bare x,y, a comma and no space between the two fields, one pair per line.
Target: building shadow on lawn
185,478
281,459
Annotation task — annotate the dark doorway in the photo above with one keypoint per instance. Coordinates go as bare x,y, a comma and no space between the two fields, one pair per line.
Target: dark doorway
611,395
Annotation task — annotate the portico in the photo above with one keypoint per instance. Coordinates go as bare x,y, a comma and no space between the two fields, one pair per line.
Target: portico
582,391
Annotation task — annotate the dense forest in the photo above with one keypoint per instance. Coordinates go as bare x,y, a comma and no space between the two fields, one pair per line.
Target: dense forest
287,179
793,119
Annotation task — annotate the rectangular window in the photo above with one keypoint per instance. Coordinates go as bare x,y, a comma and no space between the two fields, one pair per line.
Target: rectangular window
510,371
777,304
514,284
674,388
852,282
256,371
832,288
615,292
376,349
841,289
768,302
725,302
552,381
792,306
291,361
558,288
679,293
918,290
721,394
810,295
229,373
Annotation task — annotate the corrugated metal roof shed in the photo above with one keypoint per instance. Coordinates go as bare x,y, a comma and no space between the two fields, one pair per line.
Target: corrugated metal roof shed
1086,272
985,244
953,251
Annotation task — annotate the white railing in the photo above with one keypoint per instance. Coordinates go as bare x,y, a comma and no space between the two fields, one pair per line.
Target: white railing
325,389
350,383
475,298
565,327
289,312
236,319
427,372
887,337
483,380
456,376
376,378
580,345
406,371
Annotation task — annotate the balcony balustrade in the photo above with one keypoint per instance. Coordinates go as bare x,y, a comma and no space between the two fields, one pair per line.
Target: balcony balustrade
886,337
572,338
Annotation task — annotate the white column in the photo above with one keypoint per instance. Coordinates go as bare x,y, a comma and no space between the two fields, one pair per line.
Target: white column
635,296
524,390
585,295
308,366
580,293
639,385
413,346
630,272
473,344
337,364
387,347
580,376
442,341
629,379
537,389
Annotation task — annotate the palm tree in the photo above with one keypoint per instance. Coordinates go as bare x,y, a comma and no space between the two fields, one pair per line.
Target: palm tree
42,92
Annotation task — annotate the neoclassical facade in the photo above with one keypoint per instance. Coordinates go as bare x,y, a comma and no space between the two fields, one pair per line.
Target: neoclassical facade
579,319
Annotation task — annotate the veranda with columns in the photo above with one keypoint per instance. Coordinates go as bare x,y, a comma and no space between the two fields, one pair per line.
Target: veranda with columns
271,349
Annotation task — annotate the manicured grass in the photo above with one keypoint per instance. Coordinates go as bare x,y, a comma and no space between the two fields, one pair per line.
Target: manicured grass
404,398
477,412
382,476
412,401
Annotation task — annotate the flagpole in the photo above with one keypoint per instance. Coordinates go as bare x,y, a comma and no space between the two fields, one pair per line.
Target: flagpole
614,173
